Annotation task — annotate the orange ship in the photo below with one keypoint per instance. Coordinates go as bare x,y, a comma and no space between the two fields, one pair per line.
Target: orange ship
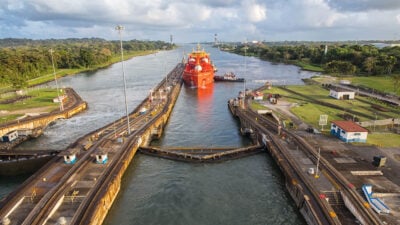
199,71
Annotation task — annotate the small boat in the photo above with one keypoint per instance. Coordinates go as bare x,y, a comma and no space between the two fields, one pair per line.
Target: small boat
231,77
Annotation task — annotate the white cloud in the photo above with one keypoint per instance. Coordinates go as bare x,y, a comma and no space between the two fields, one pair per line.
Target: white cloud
190,20
255,12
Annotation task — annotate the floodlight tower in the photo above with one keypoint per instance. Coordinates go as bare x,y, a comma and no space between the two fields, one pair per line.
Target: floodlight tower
55,80
120,28
245,72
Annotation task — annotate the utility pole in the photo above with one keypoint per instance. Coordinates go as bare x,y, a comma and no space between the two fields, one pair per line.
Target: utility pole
55,80
120,28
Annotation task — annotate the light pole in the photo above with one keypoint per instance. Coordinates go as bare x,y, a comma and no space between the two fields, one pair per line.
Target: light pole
245,64
120,28
55,79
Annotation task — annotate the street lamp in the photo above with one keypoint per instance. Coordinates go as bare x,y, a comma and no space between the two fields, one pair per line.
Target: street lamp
119,28
55,79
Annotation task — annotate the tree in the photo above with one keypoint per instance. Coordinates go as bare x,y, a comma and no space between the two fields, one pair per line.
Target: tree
388,63
396,82
369,64
340,67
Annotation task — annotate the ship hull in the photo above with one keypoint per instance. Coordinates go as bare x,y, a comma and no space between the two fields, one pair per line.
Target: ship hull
199,70
198,80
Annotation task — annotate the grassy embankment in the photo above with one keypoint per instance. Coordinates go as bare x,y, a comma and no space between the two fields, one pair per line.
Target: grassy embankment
43,98
308,66
308,110
38,98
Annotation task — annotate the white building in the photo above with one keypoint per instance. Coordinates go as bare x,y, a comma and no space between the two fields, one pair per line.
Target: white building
341,94
9,137
101,157
69,155
258,96
349,131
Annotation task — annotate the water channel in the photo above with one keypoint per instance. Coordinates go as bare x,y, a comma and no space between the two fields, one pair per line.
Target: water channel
159,191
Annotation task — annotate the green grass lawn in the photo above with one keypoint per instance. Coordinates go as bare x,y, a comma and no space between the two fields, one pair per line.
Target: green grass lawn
257,106
360,104
8,118
384,139
310,112
381,83
38,98
309,67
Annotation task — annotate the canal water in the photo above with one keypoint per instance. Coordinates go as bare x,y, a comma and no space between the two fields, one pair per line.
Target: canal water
159,191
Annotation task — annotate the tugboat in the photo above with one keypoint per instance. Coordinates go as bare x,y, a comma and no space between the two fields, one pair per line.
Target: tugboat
231,77
199,70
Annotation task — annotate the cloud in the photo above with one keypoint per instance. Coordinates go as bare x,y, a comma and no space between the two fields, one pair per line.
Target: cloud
254,11
364,5
193,20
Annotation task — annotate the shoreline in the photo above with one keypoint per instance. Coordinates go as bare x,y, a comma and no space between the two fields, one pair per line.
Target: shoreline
116,59
71,72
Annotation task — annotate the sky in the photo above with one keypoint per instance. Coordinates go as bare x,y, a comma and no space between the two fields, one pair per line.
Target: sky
202,20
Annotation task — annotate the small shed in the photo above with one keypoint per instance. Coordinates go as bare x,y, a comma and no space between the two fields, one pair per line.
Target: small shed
341,94
69,155
258,96
101,157
10,136
349,131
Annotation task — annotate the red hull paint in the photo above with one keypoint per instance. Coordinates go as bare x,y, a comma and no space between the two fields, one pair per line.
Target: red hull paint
199,70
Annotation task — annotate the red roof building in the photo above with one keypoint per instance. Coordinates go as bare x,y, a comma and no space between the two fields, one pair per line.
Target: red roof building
349,131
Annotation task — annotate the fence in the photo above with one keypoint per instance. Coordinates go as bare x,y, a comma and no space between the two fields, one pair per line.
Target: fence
390,121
